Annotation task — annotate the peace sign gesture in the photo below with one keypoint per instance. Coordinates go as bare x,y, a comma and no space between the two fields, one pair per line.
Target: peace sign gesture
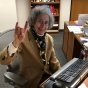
19,34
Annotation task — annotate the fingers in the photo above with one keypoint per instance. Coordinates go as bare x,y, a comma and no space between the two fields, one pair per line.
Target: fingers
16,25
26,25
19,30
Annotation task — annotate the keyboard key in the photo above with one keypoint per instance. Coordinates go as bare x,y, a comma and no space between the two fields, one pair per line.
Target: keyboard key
70,79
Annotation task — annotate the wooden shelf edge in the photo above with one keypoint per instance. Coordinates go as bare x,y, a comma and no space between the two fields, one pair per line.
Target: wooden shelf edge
56,15
45,2
52,31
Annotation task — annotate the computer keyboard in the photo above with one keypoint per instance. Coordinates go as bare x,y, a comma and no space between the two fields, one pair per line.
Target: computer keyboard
70,73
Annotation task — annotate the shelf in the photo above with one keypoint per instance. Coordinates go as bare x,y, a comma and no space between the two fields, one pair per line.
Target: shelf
56,15
45,3
52,31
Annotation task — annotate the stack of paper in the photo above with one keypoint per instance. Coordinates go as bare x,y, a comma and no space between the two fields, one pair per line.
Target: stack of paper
75,29
84,40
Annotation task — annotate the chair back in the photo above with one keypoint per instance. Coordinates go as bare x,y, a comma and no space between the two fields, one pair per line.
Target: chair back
6,38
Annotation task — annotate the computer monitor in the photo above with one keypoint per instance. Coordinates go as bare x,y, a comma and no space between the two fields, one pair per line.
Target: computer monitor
82,18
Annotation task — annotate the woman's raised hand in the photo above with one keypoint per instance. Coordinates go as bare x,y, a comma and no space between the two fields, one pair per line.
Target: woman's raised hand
19,34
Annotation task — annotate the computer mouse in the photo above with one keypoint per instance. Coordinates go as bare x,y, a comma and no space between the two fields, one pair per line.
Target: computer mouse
57,85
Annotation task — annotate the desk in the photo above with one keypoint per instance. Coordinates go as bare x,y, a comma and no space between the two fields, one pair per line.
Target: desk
71,44
74,84
71,47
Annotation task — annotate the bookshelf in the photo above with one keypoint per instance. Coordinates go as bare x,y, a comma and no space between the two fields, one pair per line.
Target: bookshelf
56,11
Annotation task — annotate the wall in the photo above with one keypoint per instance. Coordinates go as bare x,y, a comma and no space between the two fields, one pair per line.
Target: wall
8,16
64,12
23,11
11,12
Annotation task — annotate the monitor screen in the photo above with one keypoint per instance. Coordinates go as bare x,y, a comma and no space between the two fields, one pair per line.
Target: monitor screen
82,18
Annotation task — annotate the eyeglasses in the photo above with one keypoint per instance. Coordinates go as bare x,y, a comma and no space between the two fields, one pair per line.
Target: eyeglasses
43,23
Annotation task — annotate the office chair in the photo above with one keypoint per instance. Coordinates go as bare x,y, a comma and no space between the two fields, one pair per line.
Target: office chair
11,75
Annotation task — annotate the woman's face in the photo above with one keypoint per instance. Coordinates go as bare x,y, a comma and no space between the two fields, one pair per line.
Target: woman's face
41,24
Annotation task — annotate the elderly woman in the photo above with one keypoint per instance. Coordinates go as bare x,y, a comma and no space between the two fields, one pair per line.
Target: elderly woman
35,48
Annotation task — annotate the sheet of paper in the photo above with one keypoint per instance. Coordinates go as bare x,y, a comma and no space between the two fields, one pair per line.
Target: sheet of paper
75,29
84,39
86,44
